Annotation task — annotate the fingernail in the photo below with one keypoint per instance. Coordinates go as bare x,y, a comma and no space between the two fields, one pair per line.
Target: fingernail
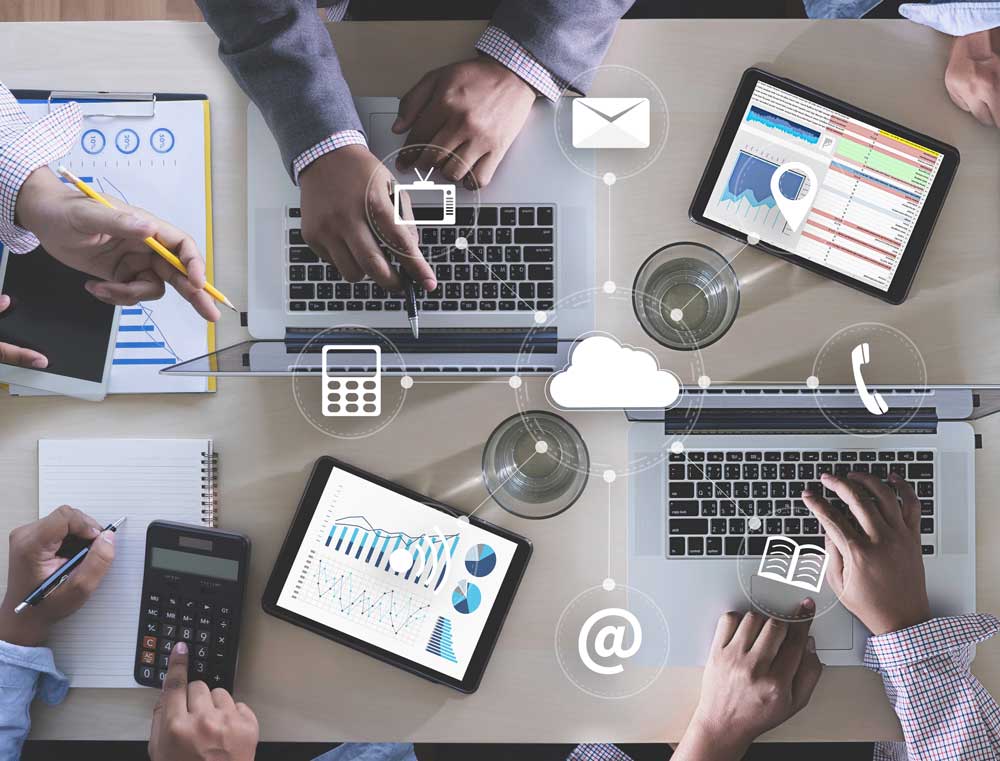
429,285
806,493
4,301
182,648
398,124
40,364
894,477
109,537
808,605
825,477
94,531
811,645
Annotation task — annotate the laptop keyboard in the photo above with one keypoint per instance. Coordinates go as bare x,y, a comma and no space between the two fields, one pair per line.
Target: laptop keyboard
507,266
717,500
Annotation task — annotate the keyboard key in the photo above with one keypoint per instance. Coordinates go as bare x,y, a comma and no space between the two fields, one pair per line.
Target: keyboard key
294,212
302,291
538,254
810,526
324,290
682,490
927,507
526,216
793,525
317,306
677,546
718,526
772,456
772,526
713,546
503,235
540,272
316,272
737,526
541,235
925,489
696,546
906,456
867,456
488,216
355,306
301,255
926,525
544,216
295,237
927,549
734,457
919,470
791,456
697,526
810,456
923,456
682,508
296,273
508,216
709,508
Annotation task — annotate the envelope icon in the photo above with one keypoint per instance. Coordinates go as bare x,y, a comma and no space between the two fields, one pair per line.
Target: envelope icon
611,123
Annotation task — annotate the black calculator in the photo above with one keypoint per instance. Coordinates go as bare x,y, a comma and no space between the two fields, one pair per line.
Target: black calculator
193,582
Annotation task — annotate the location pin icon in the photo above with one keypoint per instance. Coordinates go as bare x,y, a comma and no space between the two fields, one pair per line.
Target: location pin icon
794,210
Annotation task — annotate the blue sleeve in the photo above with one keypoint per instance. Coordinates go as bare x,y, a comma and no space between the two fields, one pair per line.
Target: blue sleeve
954,17
24,673
370,752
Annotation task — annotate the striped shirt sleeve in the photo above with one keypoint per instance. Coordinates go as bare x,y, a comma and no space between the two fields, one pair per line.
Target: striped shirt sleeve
504,49
944,711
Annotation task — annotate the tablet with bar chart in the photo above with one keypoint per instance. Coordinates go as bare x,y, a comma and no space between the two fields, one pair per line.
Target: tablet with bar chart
413,583
879,186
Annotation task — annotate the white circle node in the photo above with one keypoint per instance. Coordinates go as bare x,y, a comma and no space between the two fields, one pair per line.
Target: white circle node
463,519
401,560
753,239
755,523
610,179
514,381
609,286
676,447
461,243
812,381
609,476
406,381
541,447
541,317
676,314
704,381
608,585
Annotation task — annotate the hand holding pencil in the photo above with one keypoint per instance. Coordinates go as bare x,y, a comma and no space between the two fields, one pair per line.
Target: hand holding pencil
116,243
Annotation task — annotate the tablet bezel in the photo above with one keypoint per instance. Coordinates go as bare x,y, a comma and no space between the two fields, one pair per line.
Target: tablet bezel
296,534
91,391
919,239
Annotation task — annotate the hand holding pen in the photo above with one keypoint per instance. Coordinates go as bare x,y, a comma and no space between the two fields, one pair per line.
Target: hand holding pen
34,560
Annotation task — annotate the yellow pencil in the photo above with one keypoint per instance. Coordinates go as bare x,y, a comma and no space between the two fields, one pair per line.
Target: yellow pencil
153,243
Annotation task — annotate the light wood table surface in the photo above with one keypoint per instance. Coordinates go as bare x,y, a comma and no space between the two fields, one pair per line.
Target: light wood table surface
305,688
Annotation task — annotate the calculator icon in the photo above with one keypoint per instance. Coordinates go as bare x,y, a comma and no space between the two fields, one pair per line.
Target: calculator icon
352,381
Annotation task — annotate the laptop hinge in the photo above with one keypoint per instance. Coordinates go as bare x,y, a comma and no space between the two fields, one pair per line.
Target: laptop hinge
845,420
432,340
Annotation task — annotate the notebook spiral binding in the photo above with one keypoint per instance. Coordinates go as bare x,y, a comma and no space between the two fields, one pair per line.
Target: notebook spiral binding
210,487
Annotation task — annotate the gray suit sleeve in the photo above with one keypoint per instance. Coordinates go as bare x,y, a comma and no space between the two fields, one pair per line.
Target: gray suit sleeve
568,37
281,54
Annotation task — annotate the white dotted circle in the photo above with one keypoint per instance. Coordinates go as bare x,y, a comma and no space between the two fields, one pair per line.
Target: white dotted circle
609,179
812,381
609,476
541,317
608,585
406,381
541,446
704,381
677,447
609,286
676,314
514,381
461,243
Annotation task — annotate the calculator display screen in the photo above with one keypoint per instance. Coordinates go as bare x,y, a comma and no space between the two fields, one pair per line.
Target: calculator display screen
198,565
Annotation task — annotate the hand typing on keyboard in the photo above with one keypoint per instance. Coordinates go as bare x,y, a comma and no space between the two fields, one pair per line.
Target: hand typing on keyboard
339,190
760,672
876,567
473,110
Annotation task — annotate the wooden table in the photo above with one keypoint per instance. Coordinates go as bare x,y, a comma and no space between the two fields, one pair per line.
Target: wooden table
305,688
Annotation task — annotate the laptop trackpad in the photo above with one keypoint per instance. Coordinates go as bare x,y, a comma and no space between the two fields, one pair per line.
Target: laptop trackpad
833,628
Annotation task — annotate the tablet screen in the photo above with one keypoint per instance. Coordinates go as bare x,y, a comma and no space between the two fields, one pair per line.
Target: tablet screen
397,574
872,185
53,313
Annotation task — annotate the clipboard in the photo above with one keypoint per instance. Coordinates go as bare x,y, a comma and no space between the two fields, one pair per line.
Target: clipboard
118,134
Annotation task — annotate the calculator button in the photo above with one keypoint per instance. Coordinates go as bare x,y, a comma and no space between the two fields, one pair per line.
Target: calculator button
166,645
216,679
153,598
221,639
202,636
170,615
173,601
190,605
201,652
163,661
204,622
225,610
223,624
151,627
160,676
199,667
205,607
169,630
152,611
149,643
148,657
219,653
187,619
187,633
147,673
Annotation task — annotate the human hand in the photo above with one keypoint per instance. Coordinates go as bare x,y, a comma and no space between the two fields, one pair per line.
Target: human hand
470,112
341,191
108,244
973,75
760,672
33,559
193,723
15,355
876,568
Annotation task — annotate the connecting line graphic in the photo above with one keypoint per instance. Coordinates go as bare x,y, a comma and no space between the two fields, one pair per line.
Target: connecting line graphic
382,607
503,483
610,278
725,497
609,533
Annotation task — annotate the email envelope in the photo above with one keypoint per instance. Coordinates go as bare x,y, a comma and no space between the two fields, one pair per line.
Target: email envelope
611,123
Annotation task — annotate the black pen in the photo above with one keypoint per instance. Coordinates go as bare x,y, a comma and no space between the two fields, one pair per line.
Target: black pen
411,303
62,573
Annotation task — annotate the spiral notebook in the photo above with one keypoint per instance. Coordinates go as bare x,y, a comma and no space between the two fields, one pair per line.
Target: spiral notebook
147,480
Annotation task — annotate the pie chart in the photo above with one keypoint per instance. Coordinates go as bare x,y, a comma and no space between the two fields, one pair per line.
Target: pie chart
480,560
465,597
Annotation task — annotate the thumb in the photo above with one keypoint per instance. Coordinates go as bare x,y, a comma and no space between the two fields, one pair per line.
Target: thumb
95,566
97,219
411,104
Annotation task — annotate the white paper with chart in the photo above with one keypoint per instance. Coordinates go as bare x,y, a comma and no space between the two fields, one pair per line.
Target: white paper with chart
160,163
146,480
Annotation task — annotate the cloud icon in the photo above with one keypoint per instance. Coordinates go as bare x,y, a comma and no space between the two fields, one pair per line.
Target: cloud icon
604,374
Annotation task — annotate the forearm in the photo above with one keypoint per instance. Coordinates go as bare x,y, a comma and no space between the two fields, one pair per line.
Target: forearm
281,54
568,37
24,672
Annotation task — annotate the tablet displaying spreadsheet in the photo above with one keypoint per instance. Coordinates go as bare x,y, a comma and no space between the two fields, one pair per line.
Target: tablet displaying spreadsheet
878,187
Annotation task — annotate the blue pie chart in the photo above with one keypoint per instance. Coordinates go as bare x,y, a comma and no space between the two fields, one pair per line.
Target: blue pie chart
480,560
466,597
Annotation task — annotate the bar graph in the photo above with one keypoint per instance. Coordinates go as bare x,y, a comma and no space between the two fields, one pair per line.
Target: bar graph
440,643
432,552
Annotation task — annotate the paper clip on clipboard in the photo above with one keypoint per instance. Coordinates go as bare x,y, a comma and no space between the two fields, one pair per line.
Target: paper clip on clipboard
102,103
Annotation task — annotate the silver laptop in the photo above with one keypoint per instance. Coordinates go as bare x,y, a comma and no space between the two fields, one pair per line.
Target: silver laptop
530,243
752,450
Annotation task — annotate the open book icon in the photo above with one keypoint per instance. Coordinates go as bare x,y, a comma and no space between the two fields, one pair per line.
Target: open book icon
790,563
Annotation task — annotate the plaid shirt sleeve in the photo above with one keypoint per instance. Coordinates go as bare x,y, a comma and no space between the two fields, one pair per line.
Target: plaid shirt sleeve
25,146
944,710
504,49
332,143
597,752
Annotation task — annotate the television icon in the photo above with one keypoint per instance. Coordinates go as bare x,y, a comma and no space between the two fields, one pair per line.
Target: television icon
433,203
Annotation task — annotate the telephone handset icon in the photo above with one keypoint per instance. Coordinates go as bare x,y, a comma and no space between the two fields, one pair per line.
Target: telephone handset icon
873,402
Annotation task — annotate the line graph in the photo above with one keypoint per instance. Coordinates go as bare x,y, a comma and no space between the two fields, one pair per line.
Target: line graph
340,590
780,124
747,193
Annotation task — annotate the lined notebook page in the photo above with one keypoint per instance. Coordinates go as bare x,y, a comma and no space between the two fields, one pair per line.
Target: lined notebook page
145,479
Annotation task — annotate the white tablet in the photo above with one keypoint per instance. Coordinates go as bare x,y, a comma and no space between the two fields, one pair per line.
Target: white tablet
52,313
